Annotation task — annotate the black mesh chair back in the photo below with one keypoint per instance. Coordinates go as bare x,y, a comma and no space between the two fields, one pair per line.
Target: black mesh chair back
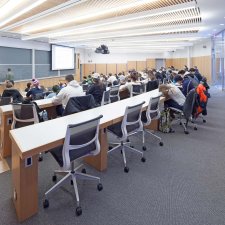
81,140
152,112
136,90
85,87
189,103
24,115
152,85
78,104
38,96
114,93
5,100
105,97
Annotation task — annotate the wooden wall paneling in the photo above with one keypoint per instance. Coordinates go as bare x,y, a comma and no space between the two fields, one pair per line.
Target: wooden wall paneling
169,62
101,68
121,68
88,69
179,63
111,68
141,65
150,63
131,65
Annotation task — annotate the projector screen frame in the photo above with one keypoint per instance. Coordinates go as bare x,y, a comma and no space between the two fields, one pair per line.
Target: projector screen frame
74,57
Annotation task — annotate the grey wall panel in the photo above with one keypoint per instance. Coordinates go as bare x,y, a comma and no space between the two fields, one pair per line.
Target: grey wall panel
20,72
44,71
42,57
67,72
15,56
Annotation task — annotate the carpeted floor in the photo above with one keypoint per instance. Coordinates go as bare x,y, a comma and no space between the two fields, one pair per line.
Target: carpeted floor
181,183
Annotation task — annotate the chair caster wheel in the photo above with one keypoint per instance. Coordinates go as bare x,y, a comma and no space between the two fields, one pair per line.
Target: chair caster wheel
180,124
71,182
45,203
40,158
121,151
160,143
128,140
144,148
126,169
83,171
132,146
204,121
99,187
110,147
54,178
186,132
78,211
143,159
195,128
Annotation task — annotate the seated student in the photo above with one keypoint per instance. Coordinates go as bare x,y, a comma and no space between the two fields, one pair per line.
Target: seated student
189,82
111,79
96,89
72,89
55,90
10,91
133,80
174,96
197,74
152,83
178,81
28,87
35,92
84,80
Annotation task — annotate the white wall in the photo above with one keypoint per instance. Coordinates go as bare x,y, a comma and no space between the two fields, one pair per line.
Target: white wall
92,57
202,48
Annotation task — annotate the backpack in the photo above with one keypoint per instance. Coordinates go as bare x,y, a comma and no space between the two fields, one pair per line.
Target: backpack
164,121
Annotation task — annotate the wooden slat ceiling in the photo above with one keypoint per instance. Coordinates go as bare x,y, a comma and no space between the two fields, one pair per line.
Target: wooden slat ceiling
95,18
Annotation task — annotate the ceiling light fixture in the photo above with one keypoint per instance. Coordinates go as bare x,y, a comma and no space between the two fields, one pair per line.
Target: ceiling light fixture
23,11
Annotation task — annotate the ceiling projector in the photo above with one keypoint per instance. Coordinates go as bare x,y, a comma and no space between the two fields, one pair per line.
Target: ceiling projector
103,49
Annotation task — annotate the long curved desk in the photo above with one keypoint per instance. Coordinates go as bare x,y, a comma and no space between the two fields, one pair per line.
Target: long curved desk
47,135
6,117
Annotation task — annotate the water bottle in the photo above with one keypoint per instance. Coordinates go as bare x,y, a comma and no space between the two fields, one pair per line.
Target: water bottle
45,115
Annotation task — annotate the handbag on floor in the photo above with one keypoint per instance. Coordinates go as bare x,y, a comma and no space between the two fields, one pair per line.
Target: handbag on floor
164,121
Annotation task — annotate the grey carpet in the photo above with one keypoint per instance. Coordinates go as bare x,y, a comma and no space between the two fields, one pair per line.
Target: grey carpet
182,183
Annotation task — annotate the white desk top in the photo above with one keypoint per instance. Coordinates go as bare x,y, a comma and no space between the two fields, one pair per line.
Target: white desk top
41,137
43,103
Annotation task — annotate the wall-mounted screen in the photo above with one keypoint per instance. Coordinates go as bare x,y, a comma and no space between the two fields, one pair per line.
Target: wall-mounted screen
62,57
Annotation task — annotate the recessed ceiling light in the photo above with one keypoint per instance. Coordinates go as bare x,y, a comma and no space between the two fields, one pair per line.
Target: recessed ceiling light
222,24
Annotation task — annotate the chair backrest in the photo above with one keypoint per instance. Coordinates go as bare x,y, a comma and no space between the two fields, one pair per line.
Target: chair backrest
136,89
5,100
78,104
38,96
152,85
85,87
132,120
81,140
114,93
152,112
189,103
105,97
24,115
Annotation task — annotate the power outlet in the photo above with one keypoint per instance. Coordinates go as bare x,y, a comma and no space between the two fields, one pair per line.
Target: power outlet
9,121
28,162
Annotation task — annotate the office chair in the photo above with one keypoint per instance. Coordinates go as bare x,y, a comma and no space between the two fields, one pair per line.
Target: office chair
114,93
78,104
136,89
24,115
152,113
152,85
187,111
131,124
105,98
81,140
85,87
5,100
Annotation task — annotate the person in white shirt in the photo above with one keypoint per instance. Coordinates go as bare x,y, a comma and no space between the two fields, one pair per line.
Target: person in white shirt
111,79
175,97
128,85
72,89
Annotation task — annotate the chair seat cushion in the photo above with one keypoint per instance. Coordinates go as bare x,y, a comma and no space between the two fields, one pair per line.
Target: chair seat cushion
74,154
116,129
